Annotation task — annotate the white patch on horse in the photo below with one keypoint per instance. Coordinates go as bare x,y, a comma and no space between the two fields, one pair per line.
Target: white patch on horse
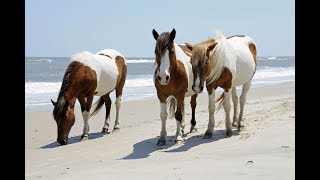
164,68
182,57
197,83
105,68
118,105
112,53
243,59
163,116
85,115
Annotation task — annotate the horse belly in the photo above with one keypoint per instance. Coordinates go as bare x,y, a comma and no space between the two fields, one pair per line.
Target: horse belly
108,80
244,71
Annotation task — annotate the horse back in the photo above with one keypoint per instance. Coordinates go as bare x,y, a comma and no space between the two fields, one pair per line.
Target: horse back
104,67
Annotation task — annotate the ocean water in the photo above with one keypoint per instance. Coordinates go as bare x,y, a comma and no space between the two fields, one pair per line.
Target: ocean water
43,77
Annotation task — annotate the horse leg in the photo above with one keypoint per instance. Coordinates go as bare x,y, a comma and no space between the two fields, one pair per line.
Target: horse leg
227,108
193,103
85,116
235,106
182,121
85,108
243,99
163,116
118,104
107,102
179,115
211,108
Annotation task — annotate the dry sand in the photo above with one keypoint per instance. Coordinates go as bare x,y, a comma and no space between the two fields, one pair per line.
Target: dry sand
264,149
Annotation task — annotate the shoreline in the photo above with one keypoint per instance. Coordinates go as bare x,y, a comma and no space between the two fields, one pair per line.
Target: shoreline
265,148
44,108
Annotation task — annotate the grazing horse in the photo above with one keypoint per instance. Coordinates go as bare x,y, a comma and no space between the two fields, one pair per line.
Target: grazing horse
89,75
226,63
173,79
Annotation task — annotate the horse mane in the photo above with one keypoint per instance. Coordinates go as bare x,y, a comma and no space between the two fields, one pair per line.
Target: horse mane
66,82
217,57
163,42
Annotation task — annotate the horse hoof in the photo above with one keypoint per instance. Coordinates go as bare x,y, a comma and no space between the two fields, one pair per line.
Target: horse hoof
104,130
161,142
116,129
178,142
229,133
84,137
193,129
207,135
235,124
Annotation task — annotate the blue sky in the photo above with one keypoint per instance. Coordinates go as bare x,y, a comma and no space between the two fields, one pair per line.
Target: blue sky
62,28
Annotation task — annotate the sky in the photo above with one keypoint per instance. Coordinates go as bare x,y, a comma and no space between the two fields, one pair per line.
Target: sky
62,28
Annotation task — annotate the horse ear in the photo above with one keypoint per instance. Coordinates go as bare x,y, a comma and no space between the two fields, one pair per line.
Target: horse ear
189,46
209,48
172,35
155,34
53,103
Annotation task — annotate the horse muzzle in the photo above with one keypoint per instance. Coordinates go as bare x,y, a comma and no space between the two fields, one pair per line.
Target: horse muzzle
163,81
197,89
63,142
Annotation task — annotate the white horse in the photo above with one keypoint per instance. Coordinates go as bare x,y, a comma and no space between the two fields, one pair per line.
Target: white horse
226,63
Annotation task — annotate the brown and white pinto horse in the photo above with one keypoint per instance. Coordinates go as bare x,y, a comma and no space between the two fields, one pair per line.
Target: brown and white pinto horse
173,79
226,63
86,76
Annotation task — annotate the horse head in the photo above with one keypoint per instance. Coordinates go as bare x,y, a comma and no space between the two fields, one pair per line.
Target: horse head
64,116
165,55
201,63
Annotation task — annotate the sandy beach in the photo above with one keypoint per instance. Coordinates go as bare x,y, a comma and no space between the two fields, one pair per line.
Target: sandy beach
264,149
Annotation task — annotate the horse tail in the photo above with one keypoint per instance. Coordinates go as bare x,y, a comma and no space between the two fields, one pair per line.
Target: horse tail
171,106
98,105
220,99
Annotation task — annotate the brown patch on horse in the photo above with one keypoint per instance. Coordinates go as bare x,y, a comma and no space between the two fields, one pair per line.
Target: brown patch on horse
253,51
84,82
105,55
224,81
236,36
193,103
177,85
185,49
122,69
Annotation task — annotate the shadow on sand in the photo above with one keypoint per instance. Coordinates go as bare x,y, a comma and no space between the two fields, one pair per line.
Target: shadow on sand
144,148
75,139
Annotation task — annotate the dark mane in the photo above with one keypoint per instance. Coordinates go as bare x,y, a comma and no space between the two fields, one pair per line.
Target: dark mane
66,82
163,43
